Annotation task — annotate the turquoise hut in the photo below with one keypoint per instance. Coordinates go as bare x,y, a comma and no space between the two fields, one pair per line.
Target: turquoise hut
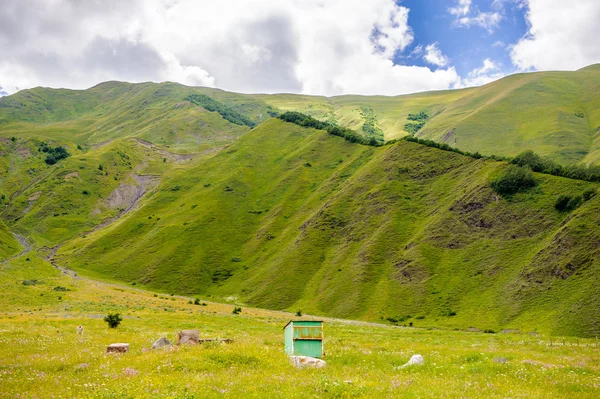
304,338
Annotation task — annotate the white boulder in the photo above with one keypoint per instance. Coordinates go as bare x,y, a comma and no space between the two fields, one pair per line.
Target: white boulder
414,360
307,361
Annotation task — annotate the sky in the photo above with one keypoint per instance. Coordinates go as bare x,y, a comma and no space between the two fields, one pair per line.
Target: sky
323,47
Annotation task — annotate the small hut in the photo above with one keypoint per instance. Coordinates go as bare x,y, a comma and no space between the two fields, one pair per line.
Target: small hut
304,338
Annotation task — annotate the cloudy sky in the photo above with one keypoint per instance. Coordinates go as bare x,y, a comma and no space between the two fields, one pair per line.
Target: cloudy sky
324,47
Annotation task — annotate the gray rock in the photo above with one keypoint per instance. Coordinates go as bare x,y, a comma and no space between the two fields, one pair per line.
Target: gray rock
188,337
414,360
307,362
161,343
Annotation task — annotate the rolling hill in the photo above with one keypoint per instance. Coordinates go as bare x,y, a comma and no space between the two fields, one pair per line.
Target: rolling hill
160,192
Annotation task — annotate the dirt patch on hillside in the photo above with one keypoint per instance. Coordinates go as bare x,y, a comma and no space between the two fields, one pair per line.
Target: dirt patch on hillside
449,136
102,144
164,153
32,198
126,197
71,176
24,152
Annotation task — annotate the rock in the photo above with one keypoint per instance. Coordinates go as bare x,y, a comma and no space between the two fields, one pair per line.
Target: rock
188,337
161,343
307,361
499,360
414,360
117,348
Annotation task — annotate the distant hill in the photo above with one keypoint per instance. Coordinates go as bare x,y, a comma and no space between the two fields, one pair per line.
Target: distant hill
158,191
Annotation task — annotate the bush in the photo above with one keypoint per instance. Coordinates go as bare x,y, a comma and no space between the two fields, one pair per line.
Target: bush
514,179
588,194
562,202
299,313
54,154
237,310
567,203
113,320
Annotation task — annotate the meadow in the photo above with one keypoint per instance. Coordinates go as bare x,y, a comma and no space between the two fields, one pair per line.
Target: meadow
42,356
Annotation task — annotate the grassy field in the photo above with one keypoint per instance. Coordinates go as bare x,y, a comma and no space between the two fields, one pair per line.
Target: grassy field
41,356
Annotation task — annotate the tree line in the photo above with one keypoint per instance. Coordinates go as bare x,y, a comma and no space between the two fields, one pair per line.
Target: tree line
228,113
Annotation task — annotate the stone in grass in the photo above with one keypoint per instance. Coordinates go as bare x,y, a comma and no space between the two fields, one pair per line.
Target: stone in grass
307,362
161,343
117,348
414,360
188,337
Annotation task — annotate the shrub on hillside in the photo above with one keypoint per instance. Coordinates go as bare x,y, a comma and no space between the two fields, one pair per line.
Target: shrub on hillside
53,154
113,320
514,179
567,203
228,113
303,120
543,165
588,194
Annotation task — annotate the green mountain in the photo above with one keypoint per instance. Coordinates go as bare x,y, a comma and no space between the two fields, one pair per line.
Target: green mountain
159,191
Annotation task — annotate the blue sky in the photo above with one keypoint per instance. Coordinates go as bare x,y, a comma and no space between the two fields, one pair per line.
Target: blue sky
465,46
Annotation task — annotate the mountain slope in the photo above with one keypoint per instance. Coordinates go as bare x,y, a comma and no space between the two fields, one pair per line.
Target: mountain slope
8,244
556,114
159,191
294,218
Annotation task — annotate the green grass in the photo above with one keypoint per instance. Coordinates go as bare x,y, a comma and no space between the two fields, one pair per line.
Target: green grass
42,356
8,245
289,218
362,232
553,113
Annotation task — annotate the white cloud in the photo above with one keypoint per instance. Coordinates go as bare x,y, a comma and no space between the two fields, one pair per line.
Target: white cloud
461,8
488,72
467,16
434,55
310,46
562,35
486,20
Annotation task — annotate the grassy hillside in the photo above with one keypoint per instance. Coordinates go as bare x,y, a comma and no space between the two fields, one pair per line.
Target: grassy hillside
292,218
160,192
553,113
8,244
39,320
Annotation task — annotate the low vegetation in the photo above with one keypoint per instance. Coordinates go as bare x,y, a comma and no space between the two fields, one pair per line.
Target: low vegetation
544,165
228,113
370,126
419,120
303,120
514,179
113,320
53,154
